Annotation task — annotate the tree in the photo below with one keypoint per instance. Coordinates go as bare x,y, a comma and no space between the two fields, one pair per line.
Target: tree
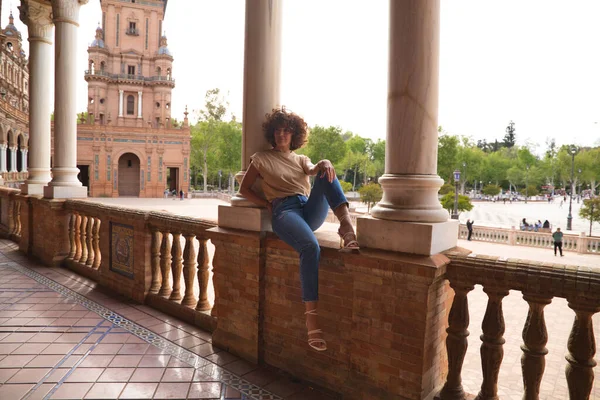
325,143
446,188
447,155
370,193
464,203
491,190
590,211
509,138
204,135
346,186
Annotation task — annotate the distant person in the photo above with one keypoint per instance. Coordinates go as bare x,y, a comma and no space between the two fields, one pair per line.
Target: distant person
470,228
546,224
181,194
558,237
166,193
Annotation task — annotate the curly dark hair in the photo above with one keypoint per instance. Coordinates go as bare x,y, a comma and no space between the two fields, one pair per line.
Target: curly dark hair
280,117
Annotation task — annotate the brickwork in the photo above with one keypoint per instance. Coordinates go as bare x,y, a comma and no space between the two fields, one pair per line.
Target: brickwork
383,315
238,267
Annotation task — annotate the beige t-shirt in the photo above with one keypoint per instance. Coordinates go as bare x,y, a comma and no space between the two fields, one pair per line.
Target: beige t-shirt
283,174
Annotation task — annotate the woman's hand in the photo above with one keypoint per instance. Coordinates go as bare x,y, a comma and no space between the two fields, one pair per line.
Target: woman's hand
326,169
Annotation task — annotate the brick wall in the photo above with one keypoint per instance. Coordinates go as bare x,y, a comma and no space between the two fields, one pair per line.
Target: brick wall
383,314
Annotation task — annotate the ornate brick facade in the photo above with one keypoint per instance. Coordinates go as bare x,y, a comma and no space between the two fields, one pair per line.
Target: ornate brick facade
129,145
14,106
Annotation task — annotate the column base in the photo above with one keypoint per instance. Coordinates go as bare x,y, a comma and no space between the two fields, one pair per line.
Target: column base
422,238
33,188
246,218
65,192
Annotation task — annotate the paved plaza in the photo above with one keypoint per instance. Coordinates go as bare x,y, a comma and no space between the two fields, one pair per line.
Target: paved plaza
500,215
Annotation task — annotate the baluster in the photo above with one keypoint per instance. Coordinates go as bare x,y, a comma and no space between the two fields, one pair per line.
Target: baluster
582,347
176,267
82,233
72,246
155,261
203,303
77,239
90,242
11,216
96,244
18,218
456,342
165,265
189,270
535,337
491,347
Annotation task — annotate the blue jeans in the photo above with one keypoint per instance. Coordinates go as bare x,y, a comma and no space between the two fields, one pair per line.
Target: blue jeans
294,220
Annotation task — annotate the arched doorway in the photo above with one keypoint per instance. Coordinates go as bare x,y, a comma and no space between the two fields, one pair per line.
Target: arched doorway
129,175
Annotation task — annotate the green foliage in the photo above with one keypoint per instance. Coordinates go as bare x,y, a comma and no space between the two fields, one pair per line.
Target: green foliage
205,133
447,155
491,190
325,143
446,188
346,186
370,194
464,203
590,211
532,190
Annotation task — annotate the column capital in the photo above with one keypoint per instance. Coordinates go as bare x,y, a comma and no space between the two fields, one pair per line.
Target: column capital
121,91
38,18
67,10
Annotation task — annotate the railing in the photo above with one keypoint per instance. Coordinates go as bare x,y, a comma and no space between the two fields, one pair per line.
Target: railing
539,284
514,237
10,214
132,31
157,78
179,260
84,240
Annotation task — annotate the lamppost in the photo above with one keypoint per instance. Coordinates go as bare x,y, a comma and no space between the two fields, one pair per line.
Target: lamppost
456,181
570,216
526,183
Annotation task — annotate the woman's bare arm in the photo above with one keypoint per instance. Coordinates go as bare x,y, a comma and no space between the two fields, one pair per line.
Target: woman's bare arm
246,188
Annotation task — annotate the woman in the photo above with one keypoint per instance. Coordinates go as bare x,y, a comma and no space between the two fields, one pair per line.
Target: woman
297,210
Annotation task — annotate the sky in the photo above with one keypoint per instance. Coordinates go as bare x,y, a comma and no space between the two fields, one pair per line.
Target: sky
534,62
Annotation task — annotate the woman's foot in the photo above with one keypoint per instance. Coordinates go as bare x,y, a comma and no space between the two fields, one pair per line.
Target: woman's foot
348,240
315,335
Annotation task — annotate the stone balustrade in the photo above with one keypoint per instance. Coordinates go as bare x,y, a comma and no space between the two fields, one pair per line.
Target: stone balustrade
539,283
10,213
514,237
180,267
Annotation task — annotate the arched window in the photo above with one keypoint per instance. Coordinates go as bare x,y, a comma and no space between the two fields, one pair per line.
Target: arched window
130,104
102,66
158,71
169,74
92,67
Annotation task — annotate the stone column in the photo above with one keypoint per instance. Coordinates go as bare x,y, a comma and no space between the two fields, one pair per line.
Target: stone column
120,103
24,159
139,105
262,66
13,159
410,184
3,157
64,182
40,31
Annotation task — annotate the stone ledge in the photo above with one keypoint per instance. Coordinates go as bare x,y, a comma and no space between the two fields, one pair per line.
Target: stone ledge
407,237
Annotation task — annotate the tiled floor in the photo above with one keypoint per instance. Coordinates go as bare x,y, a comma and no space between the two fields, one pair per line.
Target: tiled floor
61,338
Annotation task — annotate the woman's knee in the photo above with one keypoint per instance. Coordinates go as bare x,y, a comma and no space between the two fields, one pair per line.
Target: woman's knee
311,248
